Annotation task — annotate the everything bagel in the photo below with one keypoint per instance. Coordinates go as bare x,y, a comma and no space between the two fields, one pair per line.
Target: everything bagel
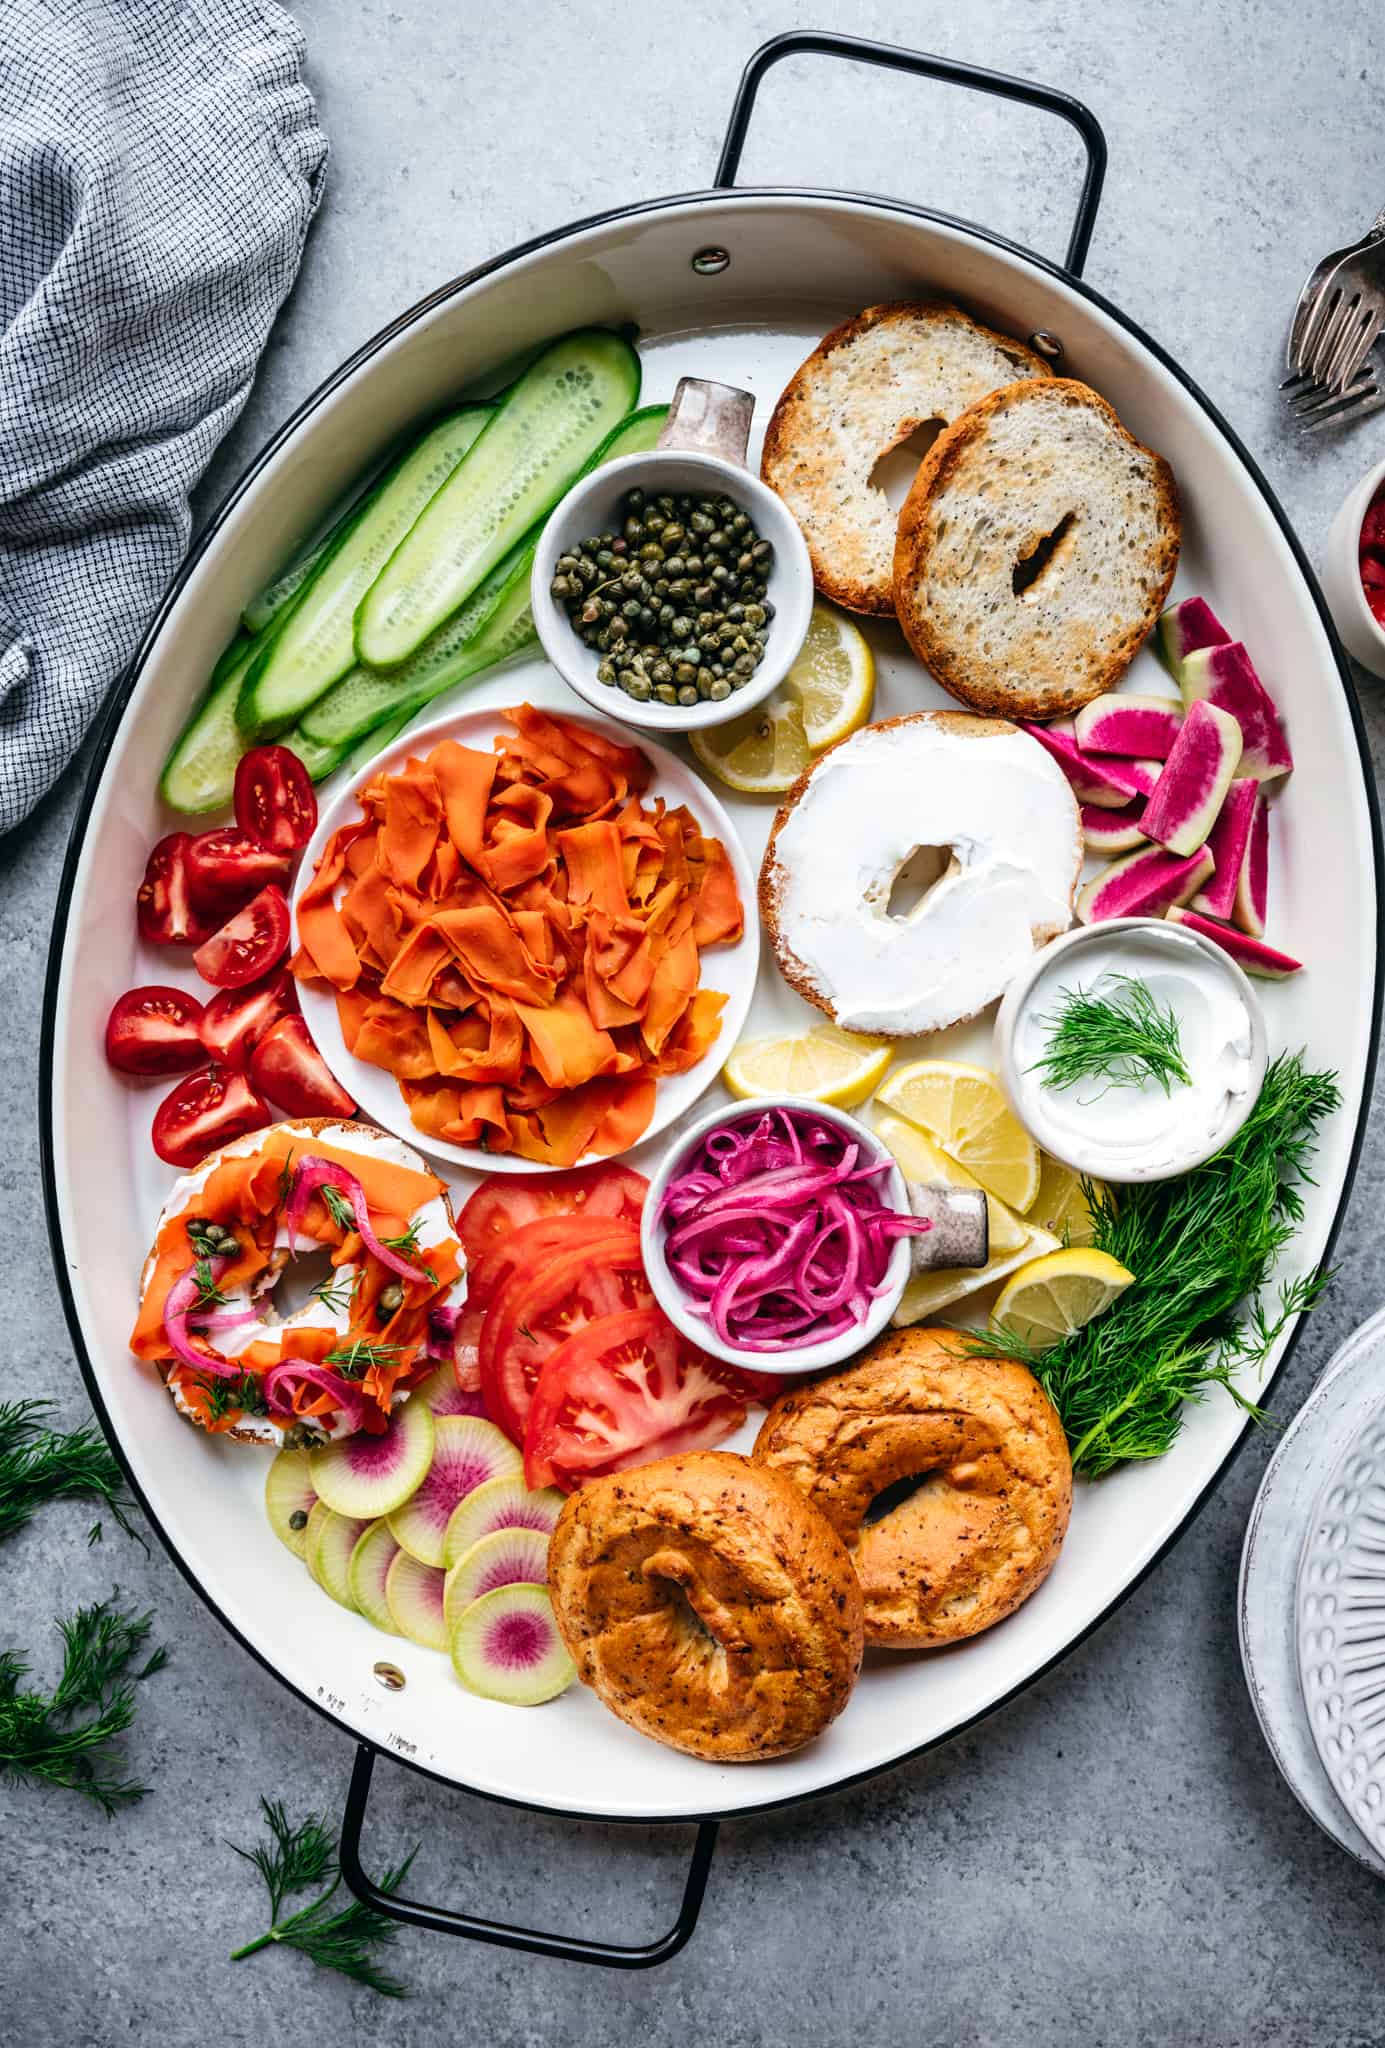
981,1531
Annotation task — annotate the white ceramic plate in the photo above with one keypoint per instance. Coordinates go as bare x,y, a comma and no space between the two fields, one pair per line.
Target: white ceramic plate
729,969
1341,1626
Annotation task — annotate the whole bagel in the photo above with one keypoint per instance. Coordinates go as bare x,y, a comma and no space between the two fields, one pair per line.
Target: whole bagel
709,1605
981,1532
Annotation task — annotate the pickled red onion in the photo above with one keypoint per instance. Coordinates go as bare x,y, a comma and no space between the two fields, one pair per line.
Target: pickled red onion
180,1310
347,1398
311,1174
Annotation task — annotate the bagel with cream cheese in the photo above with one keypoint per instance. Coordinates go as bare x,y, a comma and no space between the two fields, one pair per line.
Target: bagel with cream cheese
997,816
709,1604
984,1525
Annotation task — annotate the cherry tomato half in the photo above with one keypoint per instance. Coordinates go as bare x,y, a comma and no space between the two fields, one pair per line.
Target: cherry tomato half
274,799
237,1018
248,944
623,1391
154,1030
286,1066
507,1202
536,1312
227,867
205,1110
163,904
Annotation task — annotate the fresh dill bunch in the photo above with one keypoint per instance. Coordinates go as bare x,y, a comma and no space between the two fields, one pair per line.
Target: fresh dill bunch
1121,1038
39,1464
297,1858
67,1737
1201,1248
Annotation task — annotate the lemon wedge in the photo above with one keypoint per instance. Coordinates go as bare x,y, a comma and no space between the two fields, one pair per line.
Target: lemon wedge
1051,1297
964,1109
920,1159
827,694
1061,1206
836,1067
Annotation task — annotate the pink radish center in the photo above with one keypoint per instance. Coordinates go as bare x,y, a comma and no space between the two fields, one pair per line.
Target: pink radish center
375,1457
516,1641
505,1571
449,1482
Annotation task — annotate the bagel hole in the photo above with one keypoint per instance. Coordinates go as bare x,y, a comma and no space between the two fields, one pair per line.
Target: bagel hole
916,877
1029,568
300,1280
896,469
894,1496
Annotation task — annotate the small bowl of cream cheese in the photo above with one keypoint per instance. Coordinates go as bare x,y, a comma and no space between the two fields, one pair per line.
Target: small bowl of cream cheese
1131,1050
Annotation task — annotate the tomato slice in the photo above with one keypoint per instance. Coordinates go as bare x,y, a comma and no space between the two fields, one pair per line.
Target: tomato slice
274,800
248,944
507,1202
154,1030
207,1109
623,1391
163,905
536,1312
236,1017
527,1250
286,1066
227,867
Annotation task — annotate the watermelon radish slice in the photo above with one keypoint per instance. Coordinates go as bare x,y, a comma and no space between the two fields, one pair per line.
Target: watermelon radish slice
289,1499
1111,832
1188,796
507,1647
371,1475
1142,727
331,1540
442,1394
504,1503
1251,954
468,1451
1227,842
413,1592
507,1557
371,1559
1225,676
1144,884
1107,783
1186,628
1252,883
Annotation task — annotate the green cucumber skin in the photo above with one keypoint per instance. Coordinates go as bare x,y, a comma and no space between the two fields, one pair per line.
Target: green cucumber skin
264,609
511,478
200,772
310,645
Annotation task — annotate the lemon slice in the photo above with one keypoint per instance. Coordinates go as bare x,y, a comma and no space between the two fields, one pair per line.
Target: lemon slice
1050,1298
831,1066
827,694
920,1159
965,1110
928,1293
1061,1206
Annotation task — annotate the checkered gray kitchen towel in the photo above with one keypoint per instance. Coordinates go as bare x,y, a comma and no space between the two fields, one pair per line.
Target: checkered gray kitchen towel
160,161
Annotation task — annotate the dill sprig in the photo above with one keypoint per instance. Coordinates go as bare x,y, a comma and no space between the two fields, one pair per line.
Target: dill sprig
67,1737
296,1858
354,1360
39,1464
337,1206
407,1247
1121,1038
245,1393
1201,1248
337,1292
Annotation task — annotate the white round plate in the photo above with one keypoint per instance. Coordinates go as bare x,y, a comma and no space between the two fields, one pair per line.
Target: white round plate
1341,1626
731,969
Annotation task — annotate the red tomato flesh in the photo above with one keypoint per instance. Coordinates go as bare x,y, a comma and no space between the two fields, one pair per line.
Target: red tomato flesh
527,1250
274,800
154,1030
207,1109
286,1066
536,1312
623,1391
248,944
163,904
237,1017
507,1202
227,867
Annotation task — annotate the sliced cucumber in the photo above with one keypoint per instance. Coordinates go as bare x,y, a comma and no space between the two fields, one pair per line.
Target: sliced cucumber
539,440
319,761
200,772
275,595
309,646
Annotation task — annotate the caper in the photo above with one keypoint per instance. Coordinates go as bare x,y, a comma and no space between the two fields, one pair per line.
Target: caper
627,679
666,693
634,499
606,671
703,594
566,564
720,690
702,522
692,566
298,1519
639,689
721,574
662,671
673,565
681,627
762,550
652,552
687,694
560,588
754,614
620,546
633,532
389,1301
684,672
743,665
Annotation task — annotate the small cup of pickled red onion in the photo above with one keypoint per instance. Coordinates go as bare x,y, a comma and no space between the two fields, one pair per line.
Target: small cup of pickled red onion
779,1234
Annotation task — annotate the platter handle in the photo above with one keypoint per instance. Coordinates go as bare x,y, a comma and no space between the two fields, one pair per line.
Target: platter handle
854,49
568,1948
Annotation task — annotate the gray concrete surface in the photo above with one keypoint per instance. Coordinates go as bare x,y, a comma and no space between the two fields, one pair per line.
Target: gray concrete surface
1110,1860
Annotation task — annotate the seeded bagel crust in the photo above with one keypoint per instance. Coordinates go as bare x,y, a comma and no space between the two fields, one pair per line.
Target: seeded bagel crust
985,1527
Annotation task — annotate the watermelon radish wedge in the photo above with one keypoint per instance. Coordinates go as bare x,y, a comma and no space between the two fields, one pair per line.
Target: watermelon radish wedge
413,1592
1186,628
1252,883
507,1557
441,1393
1225,676
371,1559
1189,794
1112,832
1251,954
1108,783
1143,728
289,1499
505,1503
1227,842
366,1475
331,1540
507,1647
467,1452
1144,884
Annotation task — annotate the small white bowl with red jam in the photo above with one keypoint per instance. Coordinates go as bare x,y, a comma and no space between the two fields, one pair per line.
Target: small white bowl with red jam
1353,573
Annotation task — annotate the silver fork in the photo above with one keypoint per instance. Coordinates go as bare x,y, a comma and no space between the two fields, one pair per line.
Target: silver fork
1339,314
